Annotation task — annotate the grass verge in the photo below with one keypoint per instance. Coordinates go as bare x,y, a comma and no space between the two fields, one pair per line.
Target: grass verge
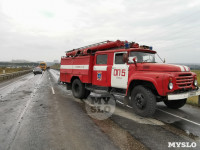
55,66
194,100
11,70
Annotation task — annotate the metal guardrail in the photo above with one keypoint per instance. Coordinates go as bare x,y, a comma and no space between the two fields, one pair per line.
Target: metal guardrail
14,74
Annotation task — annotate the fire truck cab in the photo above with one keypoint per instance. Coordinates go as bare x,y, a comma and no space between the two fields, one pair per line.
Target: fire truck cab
128,69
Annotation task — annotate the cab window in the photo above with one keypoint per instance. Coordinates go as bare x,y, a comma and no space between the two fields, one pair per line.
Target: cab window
119,58
102,59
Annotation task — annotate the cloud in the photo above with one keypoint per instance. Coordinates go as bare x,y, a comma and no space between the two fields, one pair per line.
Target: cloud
44,30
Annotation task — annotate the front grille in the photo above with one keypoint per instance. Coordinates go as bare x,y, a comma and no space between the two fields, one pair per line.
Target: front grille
184,80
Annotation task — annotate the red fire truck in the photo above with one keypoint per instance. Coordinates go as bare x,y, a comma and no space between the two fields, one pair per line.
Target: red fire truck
127,68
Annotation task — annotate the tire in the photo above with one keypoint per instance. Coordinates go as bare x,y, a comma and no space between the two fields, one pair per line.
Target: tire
143,101
175,104
78,89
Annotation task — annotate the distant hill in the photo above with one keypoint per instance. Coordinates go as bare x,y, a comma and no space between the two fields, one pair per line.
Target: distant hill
22,63
18,64
19,61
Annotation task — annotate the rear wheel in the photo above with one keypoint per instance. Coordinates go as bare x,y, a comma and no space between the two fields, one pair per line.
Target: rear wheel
175,104
78,89
143,101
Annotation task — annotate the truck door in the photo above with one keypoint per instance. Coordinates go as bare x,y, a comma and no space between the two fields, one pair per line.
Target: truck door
119,74
100,70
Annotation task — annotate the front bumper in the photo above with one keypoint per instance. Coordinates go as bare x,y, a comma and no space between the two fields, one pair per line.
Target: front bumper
183,95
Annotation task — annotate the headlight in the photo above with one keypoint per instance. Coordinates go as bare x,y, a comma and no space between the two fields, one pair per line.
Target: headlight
170,86
195,82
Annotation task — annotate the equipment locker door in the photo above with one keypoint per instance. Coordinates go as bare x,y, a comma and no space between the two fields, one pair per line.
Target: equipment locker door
100,70
119,75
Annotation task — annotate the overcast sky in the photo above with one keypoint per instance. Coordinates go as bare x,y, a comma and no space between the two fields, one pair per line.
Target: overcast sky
37,30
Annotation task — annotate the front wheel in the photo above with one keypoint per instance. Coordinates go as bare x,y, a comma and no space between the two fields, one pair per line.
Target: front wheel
143,101
175,104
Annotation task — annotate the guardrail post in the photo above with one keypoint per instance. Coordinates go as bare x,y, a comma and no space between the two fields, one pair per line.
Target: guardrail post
199,100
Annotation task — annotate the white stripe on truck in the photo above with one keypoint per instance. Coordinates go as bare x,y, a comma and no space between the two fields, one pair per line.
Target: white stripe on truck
187,68
82,67
100,68
183,68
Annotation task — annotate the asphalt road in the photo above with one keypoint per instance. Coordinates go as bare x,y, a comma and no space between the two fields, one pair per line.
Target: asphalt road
37,113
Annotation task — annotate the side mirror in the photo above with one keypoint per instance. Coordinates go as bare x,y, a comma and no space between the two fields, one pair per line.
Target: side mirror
135,61
132,59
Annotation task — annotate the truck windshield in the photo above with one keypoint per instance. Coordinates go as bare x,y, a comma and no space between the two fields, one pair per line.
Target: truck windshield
42,64
143,57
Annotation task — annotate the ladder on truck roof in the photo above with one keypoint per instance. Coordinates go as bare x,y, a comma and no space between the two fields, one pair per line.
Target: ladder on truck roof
96,44
105,45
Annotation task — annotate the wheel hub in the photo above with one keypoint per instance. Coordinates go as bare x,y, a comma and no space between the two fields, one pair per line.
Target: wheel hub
140,101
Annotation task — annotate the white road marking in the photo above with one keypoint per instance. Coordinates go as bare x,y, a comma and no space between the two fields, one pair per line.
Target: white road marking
136,118
169,114
52,90
179,117
123,103
16,128
19,120
129,106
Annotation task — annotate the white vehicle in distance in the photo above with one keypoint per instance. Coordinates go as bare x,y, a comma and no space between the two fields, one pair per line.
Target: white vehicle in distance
37,70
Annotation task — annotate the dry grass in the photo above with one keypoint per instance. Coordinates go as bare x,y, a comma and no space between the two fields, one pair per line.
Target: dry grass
198,75
11,70
193,101
55,66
